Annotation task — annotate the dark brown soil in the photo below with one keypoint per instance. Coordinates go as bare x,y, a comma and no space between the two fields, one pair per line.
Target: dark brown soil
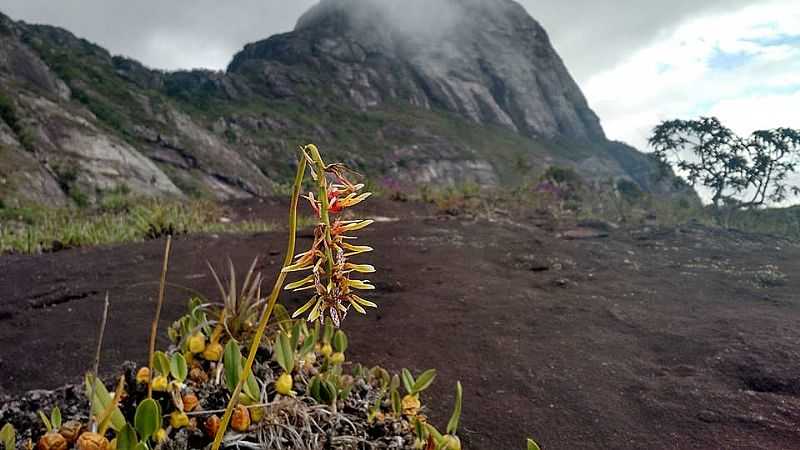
643,338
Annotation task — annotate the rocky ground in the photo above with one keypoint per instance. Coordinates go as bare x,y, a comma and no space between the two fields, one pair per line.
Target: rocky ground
635,338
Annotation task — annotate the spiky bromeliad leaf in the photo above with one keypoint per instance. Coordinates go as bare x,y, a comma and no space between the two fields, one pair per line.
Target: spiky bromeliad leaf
102,399
147,419
452,425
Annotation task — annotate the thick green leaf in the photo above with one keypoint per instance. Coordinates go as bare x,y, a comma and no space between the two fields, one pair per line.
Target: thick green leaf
148,418
313,388
420,430
379,373
340,341
327,333
397,406
126,438
296,330
161,362
452,425
532,445
284,352
424,381
394,384
102,398
8,436
47,425
232,360
408,380
328,392
141,446
55,418
178,367
436,435
308,343
250,387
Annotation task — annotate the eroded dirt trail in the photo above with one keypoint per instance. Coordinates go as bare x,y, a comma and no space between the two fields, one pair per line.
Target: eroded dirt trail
647,338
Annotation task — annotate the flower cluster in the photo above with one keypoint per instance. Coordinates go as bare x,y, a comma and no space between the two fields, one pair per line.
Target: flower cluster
327,259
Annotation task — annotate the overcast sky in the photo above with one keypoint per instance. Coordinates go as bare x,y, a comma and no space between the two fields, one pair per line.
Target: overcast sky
638,61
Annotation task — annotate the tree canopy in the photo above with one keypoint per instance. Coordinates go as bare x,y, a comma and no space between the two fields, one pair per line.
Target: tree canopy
744,171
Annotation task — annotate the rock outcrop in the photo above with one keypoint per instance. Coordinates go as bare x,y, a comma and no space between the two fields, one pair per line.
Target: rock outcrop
442,91
488,61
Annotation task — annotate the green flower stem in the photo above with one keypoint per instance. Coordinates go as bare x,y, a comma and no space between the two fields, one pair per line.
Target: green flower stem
324,205
265,315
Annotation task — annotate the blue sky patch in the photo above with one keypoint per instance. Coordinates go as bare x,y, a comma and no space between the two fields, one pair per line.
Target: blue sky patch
792,40
723,61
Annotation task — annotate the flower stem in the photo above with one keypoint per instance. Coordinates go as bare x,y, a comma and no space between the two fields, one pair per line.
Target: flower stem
265,315
324,205
154,326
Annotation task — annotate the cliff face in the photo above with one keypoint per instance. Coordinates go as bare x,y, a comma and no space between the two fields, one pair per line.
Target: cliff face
444,91
489,62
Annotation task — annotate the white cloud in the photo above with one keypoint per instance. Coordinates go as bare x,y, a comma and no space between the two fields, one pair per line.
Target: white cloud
743,66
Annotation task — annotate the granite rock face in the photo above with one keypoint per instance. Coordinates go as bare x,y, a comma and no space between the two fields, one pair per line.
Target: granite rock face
488,61
414,92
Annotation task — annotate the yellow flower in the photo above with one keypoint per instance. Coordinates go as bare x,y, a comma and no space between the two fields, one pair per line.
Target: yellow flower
337,358
213,351
284,384
178,419
160,435
143,375
160,383
197,343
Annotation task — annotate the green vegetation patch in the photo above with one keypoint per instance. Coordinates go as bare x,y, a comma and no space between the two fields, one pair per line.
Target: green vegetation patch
117,219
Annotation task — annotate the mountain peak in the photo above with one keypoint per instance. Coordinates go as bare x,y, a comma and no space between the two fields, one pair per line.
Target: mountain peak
488,61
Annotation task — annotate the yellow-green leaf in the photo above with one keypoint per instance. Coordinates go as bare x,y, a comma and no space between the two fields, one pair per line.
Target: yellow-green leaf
423,381
340,341
178,367
147,419
102,398
161,363
532,445
126,438
452,425
8,436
